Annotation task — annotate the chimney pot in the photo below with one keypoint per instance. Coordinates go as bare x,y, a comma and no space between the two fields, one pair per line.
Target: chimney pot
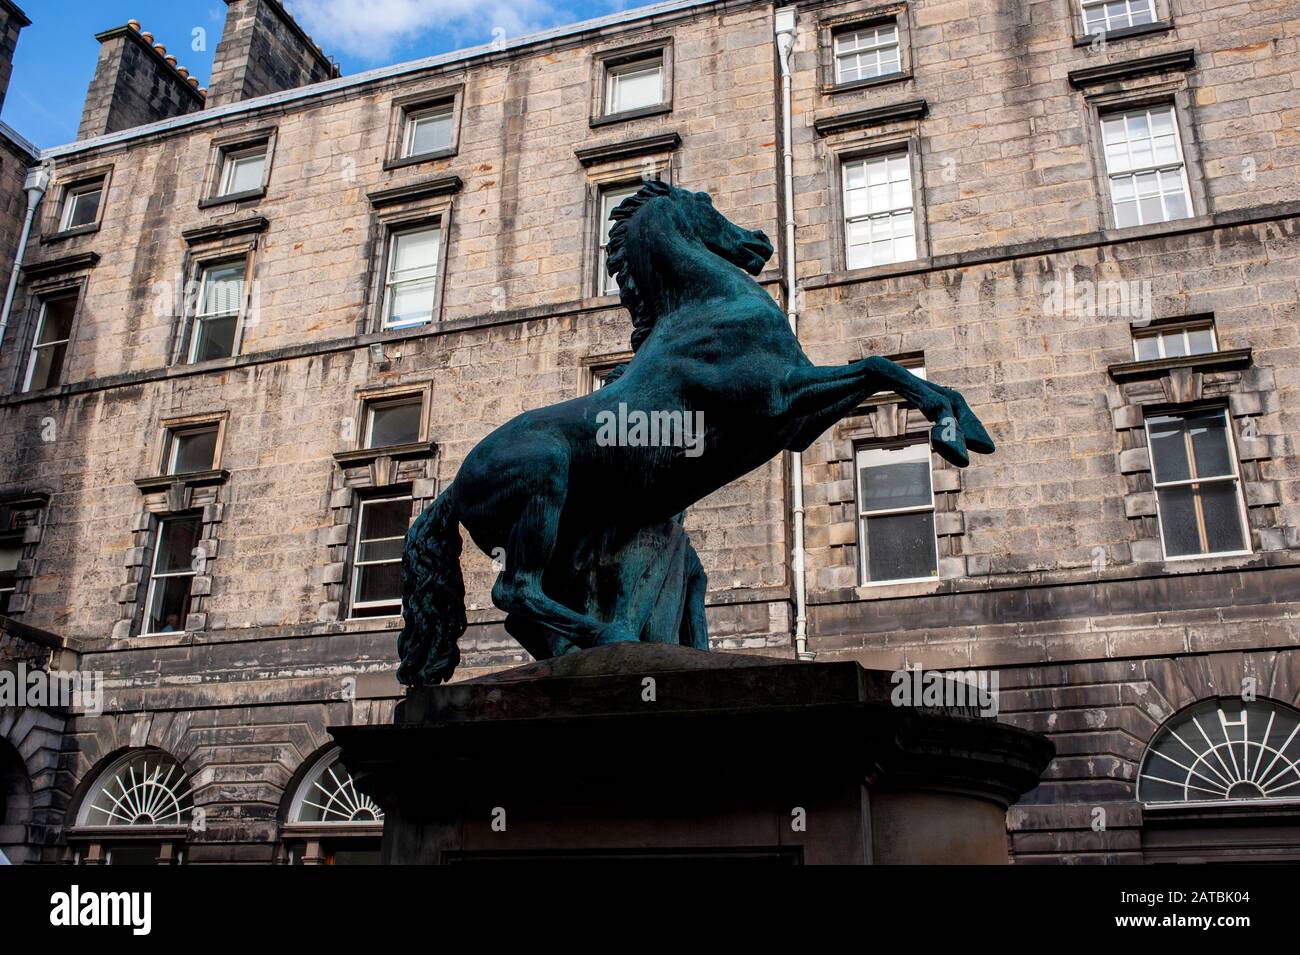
194,81
147,37
134,25
170,59
160,49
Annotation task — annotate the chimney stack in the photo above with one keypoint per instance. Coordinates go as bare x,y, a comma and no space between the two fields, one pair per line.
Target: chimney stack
135,83
264,50
11,21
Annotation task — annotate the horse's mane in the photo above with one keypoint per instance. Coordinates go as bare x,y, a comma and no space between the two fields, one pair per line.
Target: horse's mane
616,259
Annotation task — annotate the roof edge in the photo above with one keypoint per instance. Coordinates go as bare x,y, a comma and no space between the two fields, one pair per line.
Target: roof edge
466,56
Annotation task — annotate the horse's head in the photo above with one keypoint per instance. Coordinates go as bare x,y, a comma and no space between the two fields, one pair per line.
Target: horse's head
664,208
652,226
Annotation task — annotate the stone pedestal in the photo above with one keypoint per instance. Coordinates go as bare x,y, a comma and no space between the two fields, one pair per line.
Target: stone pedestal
656,751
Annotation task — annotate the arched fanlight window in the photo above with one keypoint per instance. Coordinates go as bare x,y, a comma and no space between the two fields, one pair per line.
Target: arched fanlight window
328,794
1224,750
146,788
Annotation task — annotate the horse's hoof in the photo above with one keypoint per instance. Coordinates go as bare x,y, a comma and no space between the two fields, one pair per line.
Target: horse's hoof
972,429
615,634
947,440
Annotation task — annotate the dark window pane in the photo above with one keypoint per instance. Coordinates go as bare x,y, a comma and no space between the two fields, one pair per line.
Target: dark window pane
394,424
47,366
1168,449
170,605
216,338
1202,341
895,485
1178,522
358,852
177,539
1223,530
385,519
56,325
899,546
379,582
1210,447
85,208
134,853
194,450
390,549
1148,347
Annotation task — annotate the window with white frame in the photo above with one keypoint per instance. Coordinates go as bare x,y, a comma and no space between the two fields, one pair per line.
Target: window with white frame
242,170
896,536
328,794
634,85
50,344
377,560
1101,16
1222,750
167,603
610,197
411,279
190,449
1198,490
218,306
879,220
81,205
11,552
141,789
865,53
393,421
1144,162
428,130
1174,342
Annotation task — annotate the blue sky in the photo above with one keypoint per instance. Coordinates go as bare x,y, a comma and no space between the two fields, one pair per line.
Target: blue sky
57,53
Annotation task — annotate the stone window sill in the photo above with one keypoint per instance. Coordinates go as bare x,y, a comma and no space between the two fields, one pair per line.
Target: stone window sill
231,198
401,162
1125,33
627,115
1211,361
830,89
365,456
90,229
161,482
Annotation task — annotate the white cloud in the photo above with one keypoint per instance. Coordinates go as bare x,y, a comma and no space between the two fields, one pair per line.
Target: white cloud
371,29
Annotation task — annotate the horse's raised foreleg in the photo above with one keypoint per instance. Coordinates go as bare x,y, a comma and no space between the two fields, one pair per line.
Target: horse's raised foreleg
824,394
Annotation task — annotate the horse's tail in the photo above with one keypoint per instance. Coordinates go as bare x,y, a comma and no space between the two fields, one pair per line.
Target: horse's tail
433,595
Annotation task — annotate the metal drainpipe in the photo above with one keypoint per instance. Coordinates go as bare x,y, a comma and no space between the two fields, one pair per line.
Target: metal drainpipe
784,27
38,180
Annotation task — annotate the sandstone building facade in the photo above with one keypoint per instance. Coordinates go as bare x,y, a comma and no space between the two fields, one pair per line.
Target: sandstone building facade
258,325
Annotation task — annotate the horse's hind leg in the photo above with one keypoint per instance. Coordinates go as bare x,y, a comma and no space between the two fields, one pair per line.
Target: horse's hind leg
518,590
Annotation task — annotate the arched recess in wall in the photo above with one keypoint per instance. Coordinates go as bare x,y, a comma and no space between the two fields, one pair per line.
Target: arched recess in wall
1220,781
326,819
15,805
137,810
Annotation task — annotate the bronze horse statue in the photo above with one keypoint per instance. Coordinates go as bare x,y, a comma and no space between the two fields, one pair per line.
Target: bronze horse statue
589,515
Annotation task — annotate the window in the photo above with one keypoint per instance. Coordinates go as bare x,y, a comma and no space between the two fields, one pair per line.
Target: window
50,346
1099,16
1220,750
412,278
610,197
1174,342
191,449
866,53
427,131
896,514
142,789
635,85
328,795
242,170
878,217
393,421
330,820
81,205
168,601
1144,162
1198,496
11,552
220,301
377,570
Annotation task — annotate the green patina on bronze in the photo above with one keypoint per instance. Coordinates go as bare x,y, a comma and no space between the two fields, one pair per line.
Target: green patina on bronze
589,510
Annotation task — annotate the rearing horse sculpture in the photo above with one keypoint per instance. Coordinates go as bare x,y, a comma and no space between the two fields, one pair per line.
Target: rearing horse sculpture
552,488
